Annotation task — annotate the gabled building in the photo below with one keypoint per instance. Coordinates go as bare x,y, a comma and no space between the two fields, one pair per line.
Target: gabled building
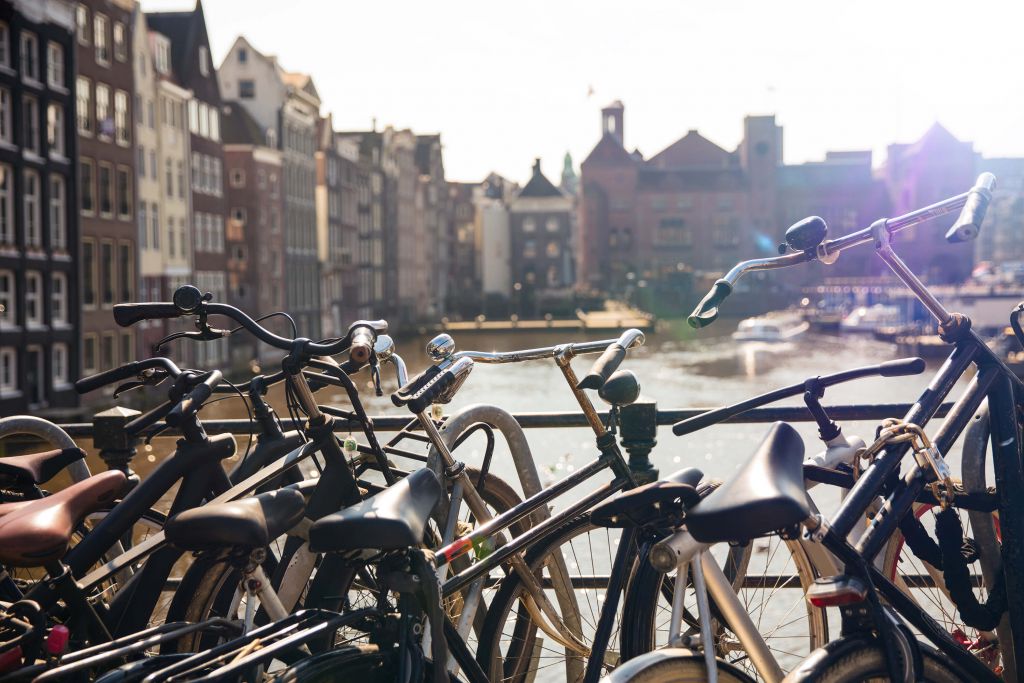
106,169
288,104
39,222
432,212
192,69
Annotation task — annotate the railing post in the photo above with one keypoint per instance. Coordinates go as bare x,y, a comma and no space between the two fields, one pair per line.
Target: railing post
115,446
638,427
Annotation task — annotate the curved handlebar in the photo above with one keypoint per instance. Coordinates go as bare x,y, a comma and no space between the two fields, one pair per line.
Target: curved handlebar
707,310
93,382
893,368
610,360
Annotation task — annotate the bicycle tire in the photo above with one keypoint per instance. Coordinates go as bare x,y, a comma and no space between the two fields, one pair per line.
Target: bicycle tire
857,660
649,593
525,636
673,665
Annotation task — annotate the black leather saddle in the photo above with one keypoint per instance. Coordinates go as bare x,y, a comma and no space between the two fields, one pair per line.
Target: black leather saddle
39,468
767,493
393,519
648,503
246,523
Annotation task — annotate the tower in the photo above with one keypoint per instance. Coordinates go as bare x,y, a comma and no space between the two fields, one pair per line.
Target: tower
612,121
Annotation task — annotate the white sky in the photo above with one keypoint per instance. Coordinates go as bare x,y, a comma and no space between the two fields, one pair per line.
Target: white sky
506,82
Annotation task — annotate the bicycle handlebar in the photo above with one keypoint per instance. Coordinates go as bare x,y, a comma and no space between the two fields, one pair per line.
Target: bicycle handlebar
127,315
190,404
609,361
892,368
972,205
135,368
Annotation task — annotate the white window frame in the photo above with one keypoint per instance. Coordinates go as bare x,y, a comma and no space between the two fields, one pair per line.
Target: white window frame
29,44
31,138
58,298
121,118
82,24
55,130
55,76
8,299
6,120
58,212
33,298
120,46
59,365
83,106
32,201
8,371
5,45
7,227
100,23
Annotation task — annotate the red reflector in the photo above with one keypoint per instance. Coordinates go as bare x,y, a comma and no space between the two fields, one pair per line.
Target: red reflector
835,599
11,659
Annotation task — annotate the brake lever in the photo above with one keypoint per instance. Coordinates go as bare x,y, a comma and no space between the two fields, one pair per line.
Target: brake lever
128,386
375,374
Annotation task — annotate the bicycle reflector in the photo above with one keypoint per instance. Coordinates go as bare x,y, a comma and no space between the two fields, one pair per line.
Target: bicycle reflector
836,591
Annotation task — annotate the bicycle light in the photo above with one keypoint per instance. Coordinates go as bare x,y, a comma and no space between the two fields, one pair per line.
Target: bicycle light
835,591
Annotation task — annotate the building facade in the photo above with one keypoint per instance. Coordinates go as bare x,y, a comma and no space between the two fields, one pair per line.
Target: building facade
39,226
432,213
108,255
337,167
288,104
192,69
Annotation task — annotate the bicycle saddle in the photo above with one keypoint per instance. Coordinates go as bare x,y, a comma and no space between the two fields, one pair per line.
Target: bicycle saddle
247,523
39,468
637,506
767,493
35,532
393,519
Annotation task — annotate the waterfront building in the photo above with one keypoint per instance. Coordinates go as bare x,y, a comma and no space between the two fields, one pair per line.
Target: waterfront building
288,104
192,69
493,238
108,256
39,223
464,296
337,217
433,225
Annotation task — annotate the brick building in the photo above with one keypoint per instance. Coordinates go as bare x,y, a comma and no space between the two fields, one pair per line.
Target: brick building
337,211
106,167
39,226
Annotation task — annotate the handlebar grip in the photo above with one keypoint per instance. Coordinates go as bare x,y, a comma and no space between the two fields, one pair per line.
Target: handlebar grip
968,223
707,310
901,367
701,421
406,393
361,348
603,367
127,315
93,382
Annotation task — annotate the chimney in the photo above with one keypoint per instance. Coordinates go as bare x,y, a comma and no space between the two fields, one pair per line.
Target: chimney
536,167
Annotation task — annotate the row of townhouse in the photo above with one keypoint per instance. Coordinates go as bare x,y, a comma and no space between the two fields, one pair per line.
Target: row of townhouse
130,165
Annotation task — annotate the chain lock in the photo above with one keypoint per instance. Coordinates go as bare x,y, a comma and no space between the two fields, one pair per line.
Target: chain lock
927,456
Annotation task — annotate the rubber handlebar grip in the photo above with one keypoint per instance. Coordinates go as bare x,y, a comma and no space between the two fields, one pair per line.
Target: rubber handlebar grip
707,310
93,382
901,367
607,363
127,315
968,223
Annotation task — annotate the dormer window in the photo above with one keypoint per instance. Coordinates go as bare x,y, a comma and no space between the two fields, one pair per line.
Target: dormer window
204,61
243,55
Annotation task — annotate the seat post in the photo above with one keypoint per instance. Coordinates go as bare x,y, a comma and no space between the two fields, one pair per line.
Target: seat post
60,581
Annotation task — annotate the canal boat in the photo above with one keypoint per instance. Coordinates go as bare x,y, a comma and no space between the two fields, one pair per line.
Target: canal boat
779,327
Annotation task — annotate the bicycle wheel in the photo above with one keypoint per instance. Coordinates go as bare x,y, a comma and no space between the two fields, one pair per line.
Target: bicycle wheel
770,576
673,665
925,585
512,647
855,660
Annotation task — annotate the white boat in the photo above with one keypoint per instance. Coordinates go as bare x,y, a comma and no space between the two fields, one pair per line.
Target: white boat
869,318
770,328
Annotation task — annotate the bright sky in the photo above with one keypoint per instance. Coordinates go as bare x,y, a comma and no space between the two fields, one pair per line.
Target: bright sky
504,82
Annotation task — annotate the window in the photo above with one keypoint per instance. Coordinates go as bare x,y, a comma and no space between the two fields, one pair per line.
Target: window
30,115
143,226
170,235
529,225
82,23
152,165
89,354
88,273
29,56
238,213
99,39
126,271
8,298
59,365
204,176
156,225
214,124
5,45
32,199
237,177
8,371
529,249
181,179
120,42
88,188
107,272
104,122
83,105
151,113
106,187
204,120
55,65
204,60
216,179
200,224
55,129
107,360
169,176
193,116
121,117
6,205
195,171
124,193
6,133
163,56
552,224
59,298
184,240
553,250
246,89
33,298
243,55
58,213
